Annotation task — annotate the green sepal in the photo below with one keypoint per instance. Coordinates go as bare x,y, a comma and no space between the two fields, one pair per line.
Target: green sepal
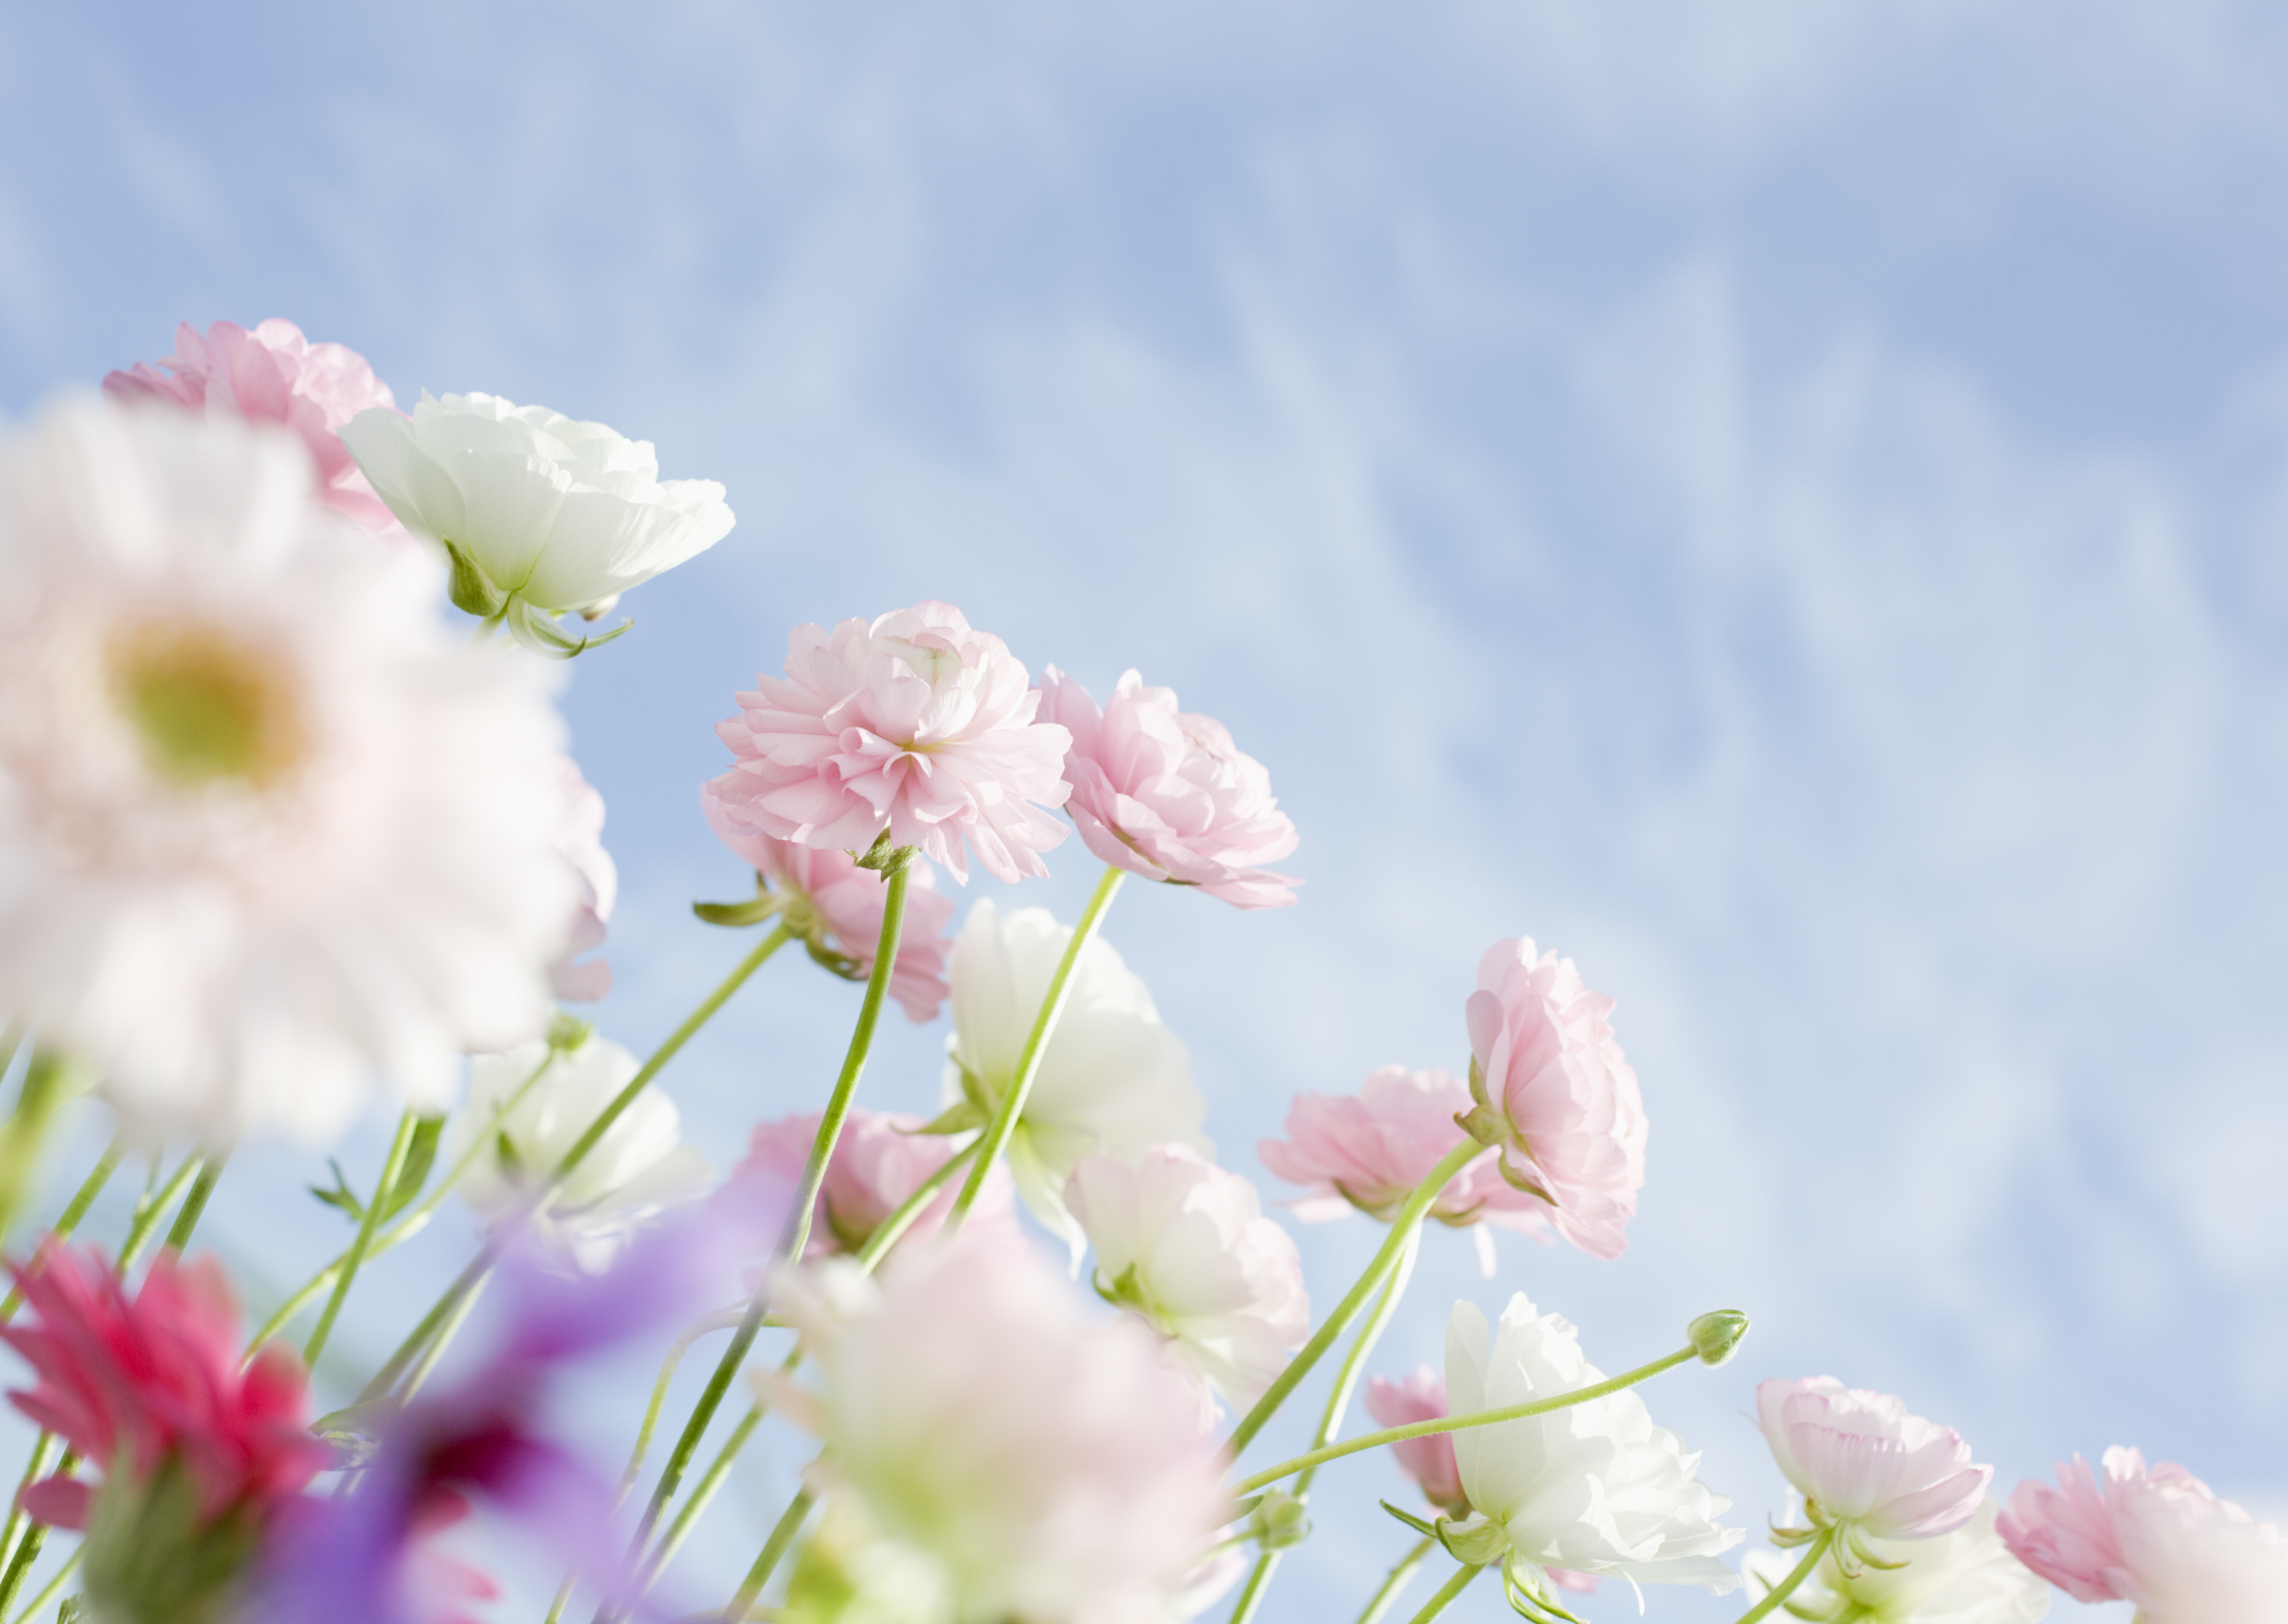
539,631
840,963
1518,1181
963,1116
505,1147
1126,1290
1477,1540
1412,1521
883,858
356,1426
1485,1124
756,908
472,590
1280,1523
1717,1337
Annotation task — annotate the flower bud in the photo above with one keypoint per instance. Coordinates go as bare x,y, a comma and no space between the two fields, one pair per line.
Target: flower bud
1279,1520
1716,1336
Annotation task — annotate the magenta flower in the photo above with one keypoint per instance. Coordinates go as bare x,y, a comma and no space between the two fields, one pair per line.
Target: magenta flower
580,842
915,726
275,375
1555,1094
2158,1537
1860,1459
1167,795
835,907
880,1160
1367,1152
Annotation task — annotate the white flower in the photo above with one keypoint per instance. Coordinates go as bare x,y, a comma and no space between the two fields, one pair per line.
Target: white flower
1113,1081
1186,1245
1967,1577
540,514
1595,1487
1001,1450
267,830
638,1169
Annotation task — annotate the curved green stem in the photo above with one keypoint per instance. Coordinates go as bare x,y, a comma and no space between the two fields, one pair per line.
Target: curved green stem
74,1211
1402,1227
1011,1106
194,1204
891,1229
1454,1423
1452,1588
789,1524
1786,1587
1392,1586
148,1210
368,1221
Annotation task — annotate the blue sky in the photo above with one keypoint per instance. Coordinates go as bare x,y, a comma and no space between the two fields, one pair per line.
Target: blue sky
1782,502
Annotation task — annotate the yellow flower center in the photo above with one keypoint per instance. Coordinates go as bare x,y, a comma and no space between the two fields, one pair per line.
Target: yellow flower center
208,705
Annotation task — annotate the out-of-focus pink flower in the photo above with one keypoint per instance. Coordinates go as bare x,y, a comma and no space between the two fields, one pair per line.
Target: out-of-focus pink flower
1555,1094
1167,795
1860,1459
581,841
1367,1152
134,1384
878,1161
275,375
916,725
836,907
2157,1536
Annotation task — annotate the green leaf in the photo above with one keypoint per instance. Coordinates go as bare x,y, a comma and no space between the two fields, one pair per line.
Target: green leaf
420,1156
341,1195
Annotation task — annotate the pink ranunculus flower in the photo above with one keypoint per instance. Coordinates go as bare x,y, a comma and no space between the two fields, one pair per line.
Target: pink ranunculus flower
2157,1536
1167,795
1367,1152
878,1163
580,840
275,375
917,727
836,907
1861,1461
1555,1094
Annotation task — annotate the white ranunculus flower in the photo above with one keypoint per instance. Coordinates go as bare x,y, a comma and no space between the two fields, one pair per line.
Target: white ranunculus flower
1595,1488
640,1168
1115,1082
1966,1577
1184,1244
269,833
540,514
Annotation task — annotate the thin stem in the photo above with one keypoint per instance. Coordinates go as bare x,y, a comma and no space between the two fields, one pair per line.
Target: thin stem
35,1470
445,1308
1402,1226
703,1492
28,1551
1454,1423
1786,1587
33,1608
1259,1580
667,1369
797,1234
47,1085
148,1210
74,1211
1452,1588
891,1229
1346,1378
1011,1107
12,1038
194,1204
1392,1586
789,1524
368,1221
445,1335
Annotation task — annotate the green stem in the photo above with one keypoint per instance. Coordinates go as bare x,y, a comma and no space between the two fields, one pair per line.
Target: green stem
1402,1226
891,1229
669,1366
148,1212
419,1373
28,1551
703,1492
445,1308
899,866
789,1524
1786,1587
367,1221
194,1204
1452,1588
1011,1104
1397,1581
1454,1423
12,1037
1259,1580
36,1468
74,1211
48,1592
47,1085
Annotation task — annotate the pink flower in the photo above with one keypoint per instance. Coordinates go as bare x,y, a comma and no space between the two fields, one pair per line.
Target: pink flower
880,1160
1167,795
836,907
580,839
1367,1152
1554,1092
134,1384
2157,1537
915,726
1860,1459
275,375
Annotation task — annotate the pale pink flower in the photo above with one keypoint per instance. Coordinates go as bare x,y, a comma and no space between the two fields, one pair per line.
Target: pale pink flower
1184,1244
275,375
1860,1459
1167,795
1367,1152
880,1160
916,725
580,841
836,907
2153,1536
1555,1094
996,1448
